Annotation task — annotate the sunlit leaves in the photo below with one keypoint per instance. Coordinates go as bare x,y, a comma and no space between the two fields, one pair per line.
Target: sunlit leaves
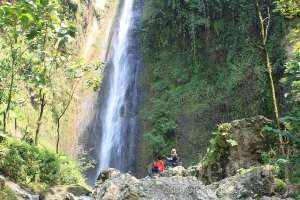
34,40
26,18
288,8
292,77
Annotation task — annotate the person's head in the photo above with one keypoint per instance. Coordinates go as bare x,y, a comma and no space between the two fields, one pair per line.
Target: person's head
159,157
173,151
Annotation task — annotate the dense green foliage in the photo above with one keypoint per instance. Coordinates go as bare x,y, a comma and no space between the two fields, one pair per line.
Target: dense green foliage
288,8
34,50
288,162
39,74
204,66
34,167
39,68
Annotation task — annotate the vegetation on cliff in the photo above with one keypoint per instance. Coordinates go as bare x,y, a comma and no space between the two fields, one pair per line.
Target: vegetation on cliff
205,63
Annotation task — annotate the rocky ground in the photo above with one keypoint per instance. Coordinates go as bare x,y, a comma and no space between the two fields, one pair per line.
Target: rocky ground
231,171
176,183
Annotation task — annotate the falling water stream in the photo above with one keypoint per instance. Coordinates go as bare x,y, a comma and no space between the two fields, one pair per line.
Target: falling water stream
113,131
114,114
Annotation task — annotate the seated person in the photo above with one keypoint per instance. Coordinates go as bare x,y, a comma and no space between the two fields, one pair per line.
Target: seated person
158,166
172,161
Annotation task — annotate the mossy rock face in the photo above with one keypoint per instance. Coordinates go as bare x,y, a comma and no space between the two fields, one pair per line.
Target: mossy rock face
236,145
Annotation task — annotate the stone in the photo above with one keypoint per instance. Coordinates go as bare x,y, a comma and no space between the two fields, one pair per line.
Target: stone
124,186
255,183
236,145
176,171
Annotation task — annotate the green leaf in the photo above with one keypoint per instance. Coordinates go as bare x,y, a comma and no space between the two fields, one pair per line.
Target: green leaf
26,18
54,17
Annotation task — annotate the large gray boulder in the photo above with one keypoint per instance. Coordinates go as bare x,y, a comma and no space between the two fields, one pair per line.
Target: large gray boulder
113,185
235,145
253,183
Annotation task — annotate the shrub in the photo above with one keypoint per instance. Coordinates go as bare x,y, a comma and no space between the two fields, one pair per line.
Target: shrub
32,166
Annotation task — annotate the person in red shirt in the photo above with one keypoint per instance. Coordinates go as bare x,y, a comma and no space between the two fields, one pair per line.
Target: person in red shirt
158,166
161,165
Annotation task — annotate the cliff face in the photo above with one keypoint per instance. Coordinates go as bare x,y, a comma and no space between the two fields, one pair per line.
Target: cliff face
203,66
95,20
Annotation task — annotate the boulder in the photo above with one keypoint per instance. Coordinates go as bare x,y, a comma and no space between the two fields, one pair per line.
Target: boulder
255,183
176,171
118,186
251,184
112,184
236,145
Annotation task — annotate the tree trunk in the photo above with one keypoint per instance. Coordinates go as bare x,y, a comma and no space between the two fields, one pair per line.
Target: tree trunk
16,126
269,68
58,135
6,112
39,122
61,116
264,37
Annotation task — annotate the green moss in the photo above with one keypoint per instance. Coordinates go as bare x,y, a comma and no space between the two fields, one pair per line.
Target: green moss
243,171
279,185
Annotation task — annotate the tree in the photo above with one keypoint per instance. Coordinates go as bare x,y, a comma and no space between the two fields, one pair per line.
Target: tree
264,24
35,37
51,33
60,106
15,21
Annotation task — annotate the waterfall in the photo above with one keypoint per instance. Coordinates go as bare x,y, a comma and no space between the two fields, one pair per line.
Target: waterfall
113,131
115,114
